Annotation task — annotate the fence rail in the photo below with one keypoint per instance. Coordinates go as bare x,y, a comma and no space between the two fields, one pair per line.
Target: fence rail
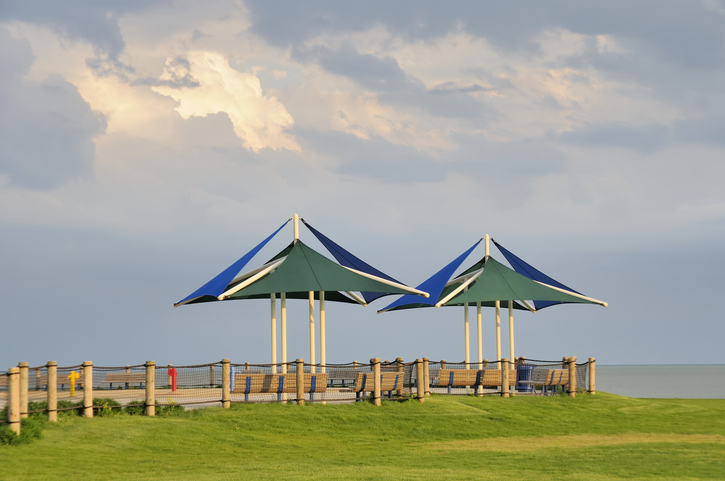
86,388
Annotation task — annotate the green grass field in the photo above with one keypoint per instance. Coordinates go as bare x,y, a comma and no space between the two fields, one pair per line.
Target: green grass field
590,438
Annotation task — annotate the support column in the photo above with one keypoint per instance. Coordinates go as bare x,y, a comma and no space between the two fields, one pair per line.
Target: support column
498,330
14,401
312,332
226,383
323,349
376,380
150,388
88,389
479,323
52,388
300,378
572,376
592,385
273,320
283,307
23,380
466,335
511,330
505,377
420,376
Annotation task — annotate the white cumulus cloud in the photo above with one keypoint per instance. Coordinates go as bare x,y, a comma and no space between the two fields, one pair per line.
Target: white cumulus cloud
212,86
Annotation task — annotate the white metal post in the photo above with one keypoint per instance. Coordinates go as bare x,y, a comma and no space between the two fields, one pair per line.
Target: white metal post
312,331
296,224
488,250
323,353
498,330
283,306
273,315
480,335
511,329
466,335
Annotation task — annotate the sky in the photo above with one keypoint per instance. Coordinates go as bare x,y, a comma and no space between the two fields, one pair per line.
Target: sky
147,145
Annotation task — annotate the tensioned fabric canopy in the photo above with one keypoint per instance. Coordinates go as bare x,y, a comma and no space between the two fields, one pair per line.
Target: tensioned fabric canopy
498,282
303,270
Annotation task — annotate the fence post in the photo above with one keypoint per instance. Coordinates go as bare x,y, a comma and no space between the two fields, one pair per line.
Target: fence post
300,378
592,385
426,377
88,389
150,388
23,366
226,383
572,376
14,401
443,363
376,380
419,374
401,370
211,375
505,377
485,363
52,388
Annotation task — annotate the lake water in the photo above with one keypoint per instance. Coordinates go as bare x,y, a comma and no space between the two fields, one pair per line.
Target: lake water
663,381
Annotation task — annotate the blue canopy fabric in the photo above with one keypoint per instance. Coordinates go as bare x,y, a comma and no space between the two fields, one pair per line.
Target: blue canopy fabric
533,273
347,259
216,286
434,285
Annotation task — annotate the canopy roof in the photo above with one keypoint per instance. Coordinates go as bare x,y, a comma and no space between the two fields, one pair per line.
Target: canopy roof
497,282
301,269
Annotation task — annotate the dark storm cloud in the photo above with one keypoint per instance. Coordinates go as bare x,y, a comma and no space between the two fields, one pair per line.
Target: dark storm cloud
46,128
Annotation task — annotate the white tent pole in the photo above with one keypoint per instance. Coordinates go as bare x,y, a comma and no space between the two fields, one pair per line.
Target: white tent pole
574,294
357,298
274,331
488,250
389,283
480,335
498,330
511,329
252,279
460,288
323,353
312,331
296,224
283,306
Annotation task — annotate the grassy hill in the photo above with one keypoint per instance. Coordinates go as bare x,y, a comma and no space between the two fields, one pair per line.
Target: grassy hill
590,438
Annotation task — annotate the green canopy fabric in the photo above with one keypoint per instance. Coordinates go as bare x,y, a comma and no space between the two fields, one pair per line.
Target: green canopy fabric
498,283
305,270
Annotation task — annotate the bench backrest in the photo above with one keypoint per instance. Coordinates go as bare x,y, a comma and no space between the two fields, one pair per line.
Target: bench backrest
557,377
468,377
270,383
389,381
122,377
61,380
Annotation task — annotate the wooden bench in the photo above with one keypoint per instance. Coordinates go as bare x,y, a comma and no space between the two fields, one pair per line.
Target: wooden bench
548,378
451,378
61,381
258,383
3,380
126,378
389,382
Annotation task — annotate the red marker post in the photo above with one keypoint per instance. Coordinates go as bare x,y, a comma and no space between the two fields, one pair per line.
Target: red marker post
172,377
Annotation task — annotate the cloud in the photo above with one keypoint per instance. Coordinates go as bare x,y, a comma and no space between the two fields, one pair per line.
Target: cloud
46,128
203,83
646,139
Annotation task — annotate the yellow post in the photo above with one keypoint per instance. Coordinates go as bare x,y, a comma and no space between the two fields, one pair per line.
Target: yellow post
401,370
505,377
14,401
226,384
52,388
150,388
88,389
420,375
592,385
23,366
72,378
211,375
